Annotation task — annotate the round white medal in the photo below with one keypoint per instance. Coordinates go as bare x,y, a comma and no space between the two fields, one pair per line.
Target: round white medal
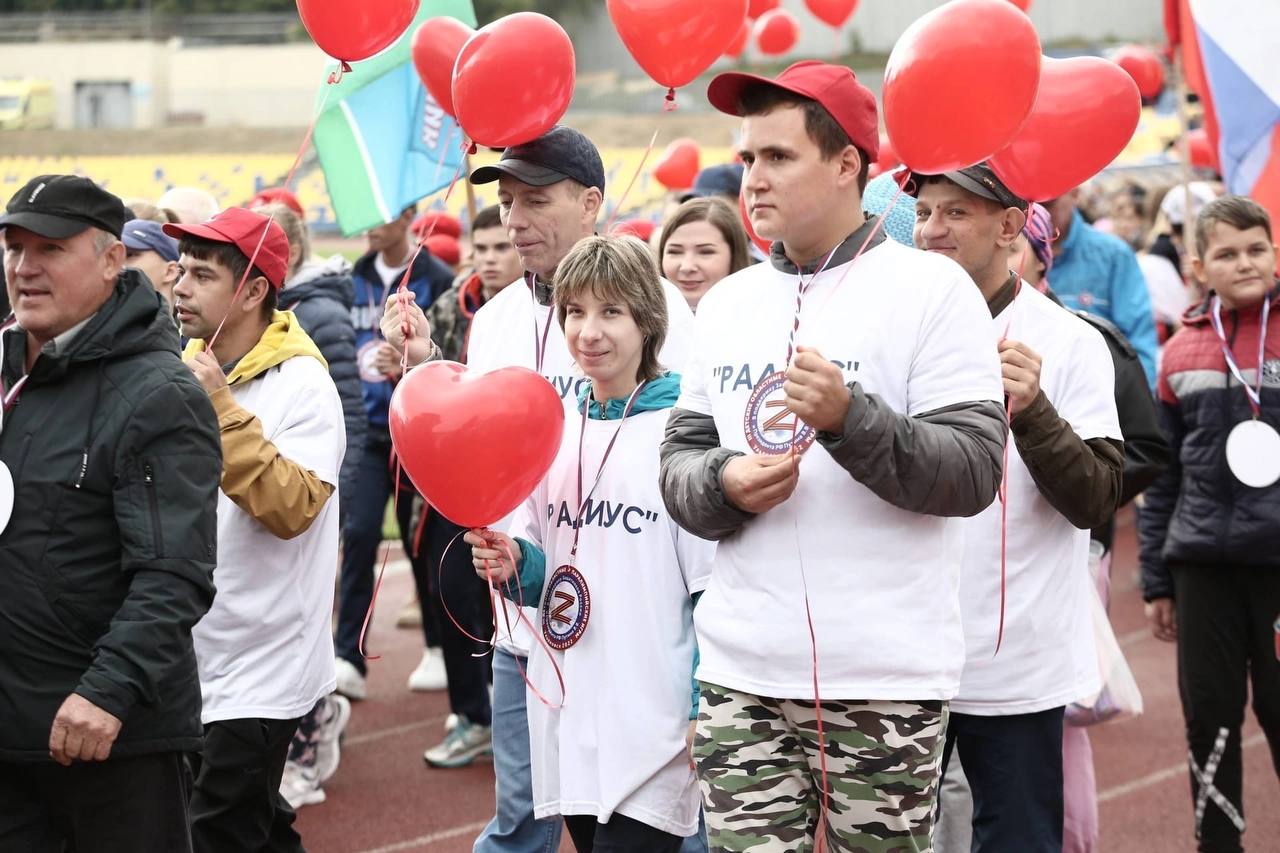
6,496
1253,453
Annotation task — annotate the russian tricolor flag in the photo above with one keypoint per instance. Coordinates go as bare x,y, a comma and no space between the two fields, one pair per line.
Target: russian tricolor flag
1231,58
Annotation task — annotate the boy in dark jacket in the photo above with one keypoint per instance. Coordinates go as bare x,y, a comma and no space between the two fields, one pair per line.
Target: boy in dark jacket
1210,529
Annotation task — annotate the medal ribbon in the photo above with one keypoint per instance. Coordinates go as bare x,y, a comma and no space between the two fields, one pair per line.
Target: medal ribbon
540,343
582,434
10,396
1254,394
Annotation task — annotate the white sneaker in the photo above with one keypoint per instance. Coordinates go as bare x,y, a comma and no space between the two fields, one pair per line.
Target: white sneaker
350,681
300,787
466,742
430,672
333,723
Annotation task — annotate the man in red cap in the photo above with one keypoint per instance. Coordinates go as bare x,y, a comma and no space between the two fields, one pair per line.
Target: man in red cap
840,412
265,651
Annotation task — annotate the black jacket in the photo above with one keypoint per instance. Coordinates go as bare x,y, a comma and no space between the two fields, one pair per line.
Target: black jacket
1197,512
321,298
107,562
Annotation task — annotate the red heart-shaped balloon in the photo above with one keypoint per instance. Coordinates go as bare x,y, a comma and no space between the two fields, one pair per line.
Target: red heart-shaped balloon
959,84
1085,114
756,8
353,31
739,43
1144,67
678,165
436,46
776,32
475,444
513,80
676,40
833,13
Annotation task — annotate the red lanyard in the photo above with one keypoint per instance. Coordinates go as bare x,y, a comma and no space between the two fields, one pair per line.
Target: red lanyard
1254,394
10,395
539,344
802,287
582,435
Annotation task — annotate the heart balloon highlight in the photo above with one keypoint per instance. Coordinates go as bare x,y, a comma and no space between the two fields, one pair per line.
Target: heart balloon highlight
436,46
959,84
513,80
676,40
355,29
1085,114
475,444
679,164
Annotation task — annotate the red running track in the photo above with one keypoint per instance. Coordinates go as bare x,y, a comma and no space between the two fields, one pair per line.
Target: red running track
385,799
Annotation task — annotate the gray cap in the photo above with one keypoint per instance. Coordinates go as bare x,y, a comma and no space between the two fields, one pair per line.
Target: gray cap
560,153
980,180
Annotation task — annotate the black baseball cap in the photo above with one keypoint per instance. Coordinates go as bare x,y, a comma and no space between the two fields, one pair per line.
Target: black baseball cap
61,206
982,182
560,153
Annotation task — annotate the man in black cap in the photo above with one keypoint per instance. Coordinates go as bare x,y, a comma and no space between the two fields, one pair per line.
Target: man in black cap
108,493
1024,582
550,194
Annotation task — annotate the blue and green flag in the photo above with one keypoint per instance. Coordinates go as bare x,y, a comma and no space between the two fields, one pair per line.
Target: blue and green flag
382,140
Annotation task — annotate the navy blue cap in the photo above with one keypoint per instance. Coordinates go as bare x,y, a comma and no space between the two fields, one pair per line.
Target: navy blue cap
721,179
560,153
143,235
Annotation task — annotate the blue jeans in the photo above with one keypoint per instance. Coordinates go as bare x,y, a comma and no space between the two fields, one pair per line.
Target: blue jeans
697,843
514,828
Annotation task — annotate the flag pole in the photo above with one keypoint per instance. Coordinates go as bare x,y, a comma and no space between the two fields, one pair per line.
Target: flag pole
471,192
1184,151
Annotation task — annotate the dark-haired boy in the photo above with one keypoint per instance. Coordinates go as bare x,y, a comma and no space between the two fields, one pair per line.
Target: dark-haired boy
264,650
1210,526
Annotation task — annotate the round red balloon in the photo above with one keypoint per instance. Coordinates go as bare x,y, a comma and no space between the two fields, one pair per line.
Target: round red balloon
678,165
756,8
355,29
776,32
1085,114
475,444
888,158
676,40
436,46
739,43
1144,67
833,13
1200,150
513,80
959,84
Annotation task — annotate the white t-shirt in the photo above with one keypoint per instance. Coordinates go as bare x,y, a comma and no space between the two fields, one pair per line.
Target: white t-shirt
508,331
618,743
265,648
1169,297
1047,656
882,581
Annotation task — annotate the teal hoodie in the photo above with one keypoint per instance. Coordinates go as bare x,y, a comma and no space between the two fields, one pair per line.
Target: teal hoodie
660,393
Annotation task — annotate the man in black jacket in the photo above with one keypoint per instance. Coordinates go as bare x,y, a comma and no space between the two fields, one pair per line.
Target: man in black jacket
112,450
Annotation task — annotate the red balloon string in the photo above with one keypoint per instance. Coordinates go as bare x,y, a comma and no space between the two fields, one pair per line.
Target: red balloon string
669,101
804,585
288,181
520,617
335,77
1003,493
617,208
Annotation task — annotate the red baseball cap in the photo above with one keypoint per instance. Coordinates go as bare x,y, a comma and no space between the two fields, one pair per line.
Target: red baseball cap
445,248
244,229
445,223
850,103
277,195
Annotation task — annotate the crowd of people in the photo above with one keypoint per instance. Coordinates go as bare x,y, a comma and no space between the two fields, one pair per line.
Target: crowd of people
818,558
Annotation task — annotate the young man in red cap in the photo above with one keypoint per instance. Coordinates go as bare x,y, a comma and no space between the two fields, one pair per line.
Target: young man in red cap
841,410
265,650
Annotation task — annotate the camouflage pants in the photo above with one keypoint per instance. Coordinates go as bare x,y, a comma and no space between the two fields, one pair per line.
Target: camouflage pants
760,772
